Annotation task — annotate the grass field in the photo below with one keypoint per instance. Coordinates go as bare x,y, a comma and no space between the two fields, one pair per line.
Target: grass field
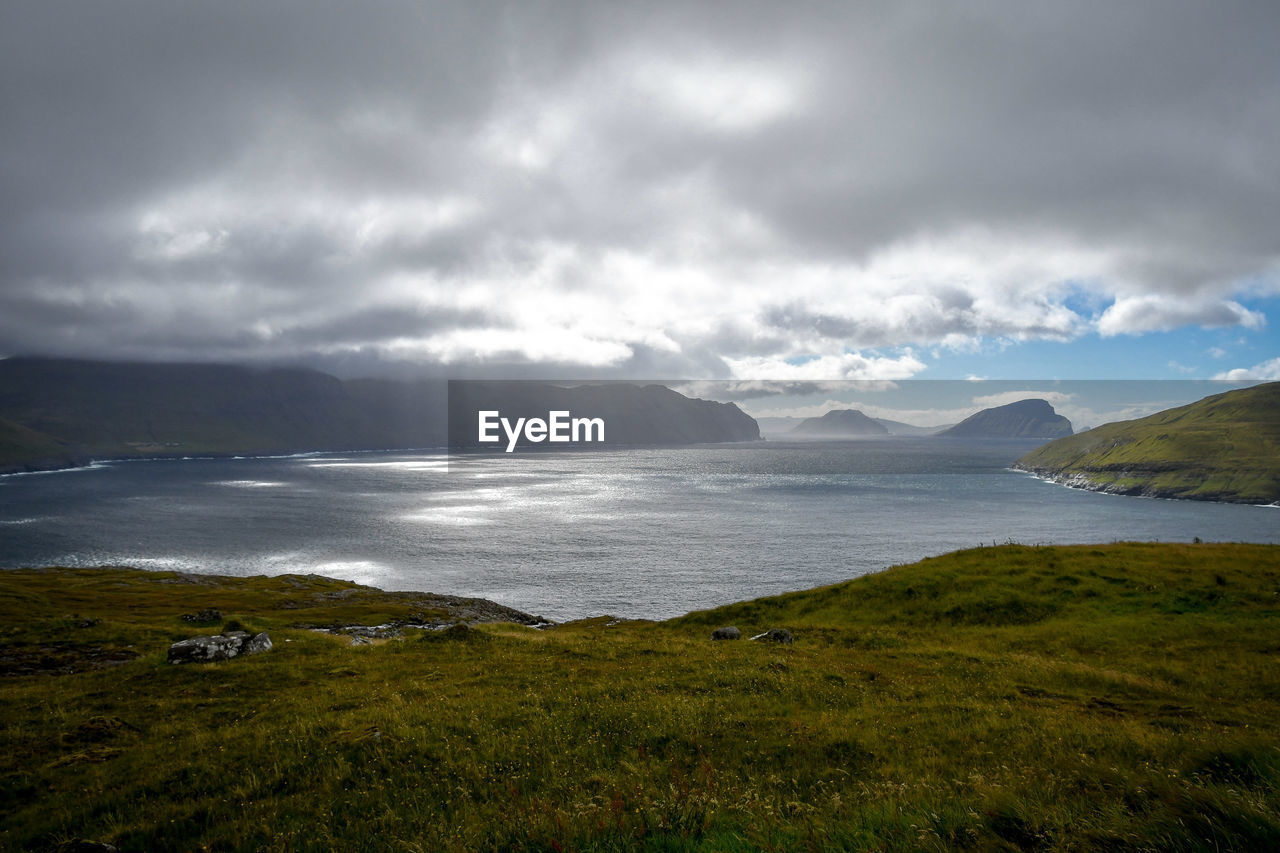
1224,448
1118,697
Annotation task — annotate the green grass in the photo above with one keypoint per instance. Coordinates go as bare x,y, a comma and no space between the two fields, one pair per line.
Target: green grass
1224,447
1119,697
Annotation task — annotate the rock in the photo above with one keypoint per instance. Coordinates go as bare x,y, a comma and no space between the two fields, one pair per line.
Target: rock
218,647
209,615
727,632
359,640
775,635
260,642
80,845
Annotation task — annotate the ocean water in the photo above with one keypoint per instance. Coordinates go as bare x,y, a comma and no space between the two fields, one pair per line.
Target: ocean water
641,533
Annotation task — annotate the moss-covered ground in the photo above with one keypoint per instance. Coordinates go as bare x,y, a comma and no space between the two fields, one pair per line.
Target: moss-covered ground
1117,697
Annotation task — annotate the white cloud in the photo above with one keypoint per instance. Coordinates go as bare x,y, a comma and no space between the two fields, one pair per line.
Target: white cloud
721,93
1267,370
988,401
843,366
1133,315
613,186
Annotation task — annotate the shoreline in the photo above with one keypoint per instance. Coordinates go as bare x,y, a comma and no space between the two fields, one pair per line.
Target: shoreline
1080,481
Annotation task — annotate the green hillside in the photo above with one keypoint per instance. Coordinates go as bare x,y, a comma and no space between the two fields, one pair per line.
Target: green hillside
1117,697
21,447
1225,447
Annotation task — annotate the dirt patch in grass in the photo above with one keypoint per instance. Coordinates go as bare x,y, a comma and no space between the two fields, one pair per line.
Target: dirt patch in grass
60,658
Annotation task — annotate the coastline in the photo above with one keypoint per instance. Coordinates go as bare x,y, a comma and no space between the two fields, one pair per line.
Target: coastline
1081,481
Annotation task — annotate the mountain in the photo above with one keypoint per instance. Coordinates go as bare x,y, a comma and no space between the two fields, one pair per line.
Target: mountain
1023,419
632,414
899,428
1225,448
22,448
57,413
839,423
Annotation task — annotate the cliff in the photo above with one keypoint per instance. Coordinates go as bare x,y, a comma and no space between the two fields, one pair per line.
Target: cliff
632,414
1023,419
56,413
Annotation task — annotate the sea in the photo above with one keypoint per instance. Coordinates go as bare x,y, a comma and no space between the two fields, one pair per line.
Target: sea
632,533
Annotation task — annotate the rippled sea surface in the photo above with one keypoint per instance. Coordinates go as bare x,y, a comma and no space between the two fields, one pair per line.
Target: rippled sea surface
635,533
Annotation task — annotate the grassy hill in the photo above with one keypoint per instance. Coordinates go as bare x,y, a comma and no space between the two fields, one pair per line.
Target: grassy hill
1120,697
1225,447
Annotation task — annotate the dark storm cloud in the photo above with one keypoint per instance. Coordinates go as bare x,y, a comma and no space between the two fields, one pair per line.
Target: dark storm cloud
614,188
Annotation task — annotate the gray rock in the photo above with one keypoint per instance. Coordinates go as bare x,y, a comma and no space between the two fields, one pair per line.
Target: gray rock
775,635
218,647
728,632
260,642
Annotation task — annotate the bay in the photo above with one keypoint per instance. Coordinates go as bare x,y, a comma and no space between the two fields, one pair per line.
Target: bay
639,533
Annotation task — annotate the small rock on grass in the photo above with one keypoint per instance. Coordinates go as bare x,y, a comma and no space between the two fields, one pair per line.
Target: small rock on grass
218,647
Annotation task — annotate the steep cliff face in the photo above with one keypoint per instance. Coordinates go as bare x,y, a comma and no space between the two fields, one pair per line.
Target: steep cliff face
1225,447
109,409
1023,419
632,414
58,412
839,423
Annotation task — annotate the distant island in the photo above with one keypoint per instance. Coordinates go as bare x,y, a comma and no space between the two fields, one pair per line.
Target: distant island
60,413
839,423
1223,448
1033,418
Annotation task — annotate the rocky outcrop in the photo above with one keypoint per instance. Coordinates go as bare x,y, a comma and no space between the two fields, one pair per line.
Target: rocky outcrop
839,423
727,632
1023,419
218,647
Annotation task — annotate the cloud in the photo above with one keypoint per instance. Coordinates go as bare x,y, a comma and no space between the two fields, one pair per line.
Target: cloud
605,188
988,401
842,366
1267,370
1157,313
752,389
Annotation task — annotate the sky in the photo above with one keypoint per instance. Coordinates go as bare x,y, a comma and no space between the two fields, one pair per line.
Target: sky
799,191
